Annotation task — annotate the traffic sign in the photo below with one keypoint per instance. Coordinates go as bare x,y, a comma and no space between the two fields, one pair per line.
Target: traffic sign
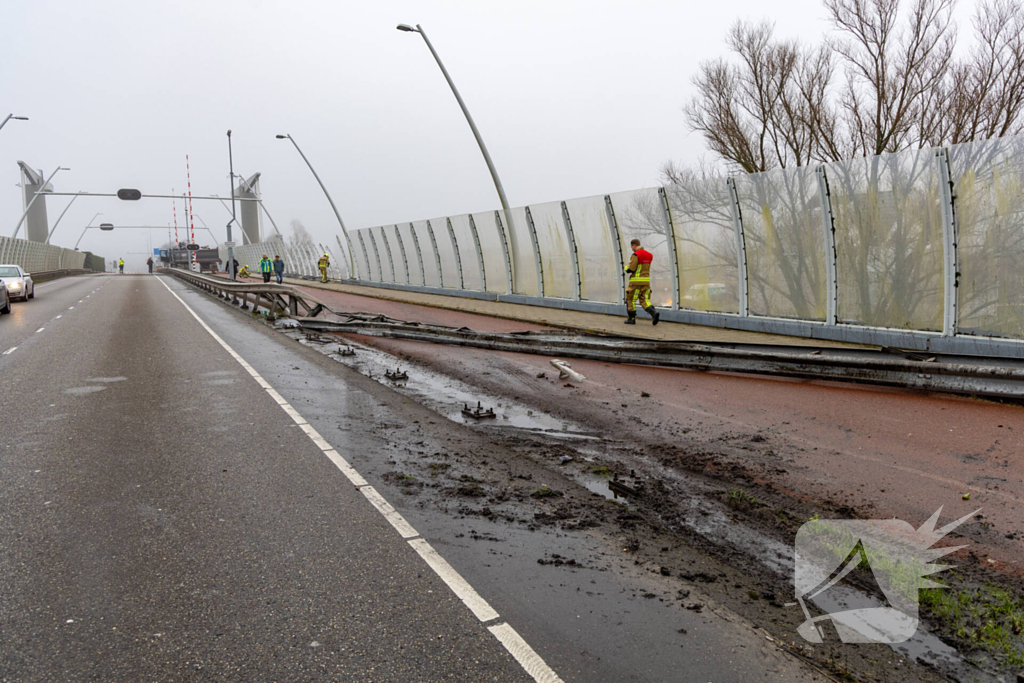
192,247
228,244
106,226
129,195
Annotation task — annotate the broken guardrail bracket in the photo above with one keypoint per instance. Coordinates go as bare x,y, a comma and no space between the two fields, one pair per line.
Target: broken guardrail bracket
565,371
478,413
346,351
398,375
316,338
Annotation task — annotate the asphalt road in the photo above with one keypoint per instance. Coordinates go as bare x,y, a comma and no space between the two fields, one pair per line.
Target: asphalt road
162,518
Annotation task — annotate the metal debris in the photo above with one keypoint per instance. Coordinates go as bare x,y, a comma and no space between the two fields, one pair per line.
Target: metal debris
316,338
619,486
565,371
397,375
478,413
346,351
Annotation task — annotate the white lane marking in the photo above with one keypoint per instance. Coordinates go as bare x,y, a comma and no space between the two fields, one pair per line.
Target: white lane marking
459,586
59,316
524,654
71,308
40,330
394,518
10,350
531,662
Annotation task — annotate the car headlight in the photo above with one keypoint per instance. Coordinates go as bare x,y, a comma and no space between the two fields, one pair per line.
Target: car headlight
13,285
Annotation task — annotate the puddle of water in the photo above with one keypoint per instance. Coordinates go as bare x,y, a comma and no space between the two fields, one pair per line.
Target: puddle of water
80,391
448,396
105,379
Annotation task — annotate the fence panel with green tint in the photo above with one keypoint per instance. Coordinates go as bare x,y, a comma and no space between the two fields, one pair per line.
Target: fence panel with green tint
494,254
785,241
599,271
368,257
705,244
988,178
385,253
446,251
640,215
467,252
431,274
556,260
521,245
888,227
413,252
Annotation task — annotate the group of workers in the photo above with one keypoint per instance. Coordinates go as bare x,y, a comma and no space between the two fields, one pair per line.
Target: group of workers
276,268
638,290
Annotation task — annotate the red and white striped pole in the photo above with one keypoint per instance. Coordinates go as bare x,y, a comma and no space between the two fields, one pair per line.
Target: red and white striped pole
174,207
191,221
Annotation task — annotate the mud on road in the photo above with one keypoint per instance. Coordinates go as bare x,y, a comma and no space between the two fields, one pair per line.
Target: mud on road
705,512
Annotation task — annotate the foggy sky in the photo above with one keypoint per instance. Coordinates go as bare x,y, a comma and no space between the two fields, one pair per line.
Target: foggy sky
572,98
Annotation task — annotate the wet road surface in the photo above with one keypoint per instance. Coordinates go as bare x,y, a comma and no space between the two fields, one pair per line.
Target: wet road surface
161,517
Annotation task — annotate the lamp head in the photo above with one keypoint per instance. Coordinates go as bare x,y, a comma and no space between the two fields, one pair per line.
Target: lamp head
406,27
280,137
20,118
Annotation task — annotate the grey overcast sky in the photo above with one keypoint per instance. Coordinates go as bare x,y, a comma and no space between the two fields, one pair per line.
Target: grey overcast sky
572,98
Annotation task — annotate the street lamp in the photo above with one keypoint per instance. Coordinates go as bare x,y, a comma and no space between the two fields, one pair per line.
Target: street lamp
12,116
348,240
36,196
476,133
231,246
59,217
86,228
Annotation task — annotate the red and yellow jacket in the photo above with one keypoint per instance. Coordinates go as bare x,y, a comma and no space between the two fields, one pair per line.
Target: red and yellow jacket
639,267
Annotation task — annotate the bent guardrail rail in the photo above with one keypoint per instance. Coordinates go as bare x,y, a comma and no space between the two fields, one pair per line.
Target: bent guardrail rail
274,297
887,367
47,275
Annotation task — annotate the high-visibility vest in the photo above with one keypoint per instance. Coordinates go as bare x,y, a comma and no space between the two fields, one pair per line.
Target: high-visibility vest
640,267
266,266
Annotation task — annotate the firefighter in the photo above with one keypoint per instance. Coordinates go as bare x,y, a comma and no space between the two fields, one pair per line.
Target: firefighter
639,289
244,272
266,268
323,264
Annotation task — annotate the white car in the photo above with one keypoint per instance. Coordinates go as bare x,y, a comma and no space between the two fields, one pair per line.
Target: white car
17,282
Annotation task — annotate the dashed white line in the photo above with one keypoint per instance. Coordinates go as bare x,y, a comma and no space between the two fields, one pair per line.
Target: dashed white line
40,330
71,308
531,662
59,316
10,351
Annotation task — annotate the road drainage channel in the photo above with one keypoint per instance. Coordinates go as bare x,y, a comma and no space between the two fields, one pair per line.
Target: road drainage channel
698,500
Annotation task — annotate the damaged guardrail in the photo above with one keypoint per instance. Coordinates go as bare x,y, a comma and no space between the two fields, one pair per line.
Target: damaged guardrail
47,275
285,298
887,367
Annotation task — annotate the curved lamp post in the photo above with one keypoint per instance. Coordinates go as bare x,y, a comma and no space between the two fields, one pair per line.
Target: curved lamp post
348,240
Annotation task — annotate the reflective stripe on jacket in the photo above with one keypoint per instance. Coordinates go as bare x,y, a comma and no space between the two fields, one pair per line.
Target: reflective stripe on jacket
323,262
639,267
266,265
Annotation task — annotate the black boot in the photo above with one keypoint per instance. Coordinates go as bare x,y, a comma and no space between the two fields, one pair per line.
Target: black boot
631,320
655,316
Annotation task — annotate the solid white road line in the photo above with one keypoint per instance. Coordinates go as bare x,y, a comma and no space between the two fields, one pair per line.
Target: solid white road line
10,350
531,662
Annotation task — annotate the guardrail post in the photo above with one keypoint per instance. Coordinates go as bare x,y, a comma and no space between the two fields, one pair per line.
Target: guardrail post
616,234
405,256
671,228
458,257
437,254
950,245
573,254
504,252
741,248
479,253
828,220
536,252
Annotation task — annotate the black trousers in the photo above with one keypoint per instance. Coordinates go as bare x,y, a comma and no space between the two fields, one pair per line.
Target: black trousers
266,277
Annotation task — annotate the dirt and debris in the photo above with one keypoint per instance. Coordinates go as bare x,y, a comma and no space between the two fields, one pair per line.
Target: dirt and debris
713,512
